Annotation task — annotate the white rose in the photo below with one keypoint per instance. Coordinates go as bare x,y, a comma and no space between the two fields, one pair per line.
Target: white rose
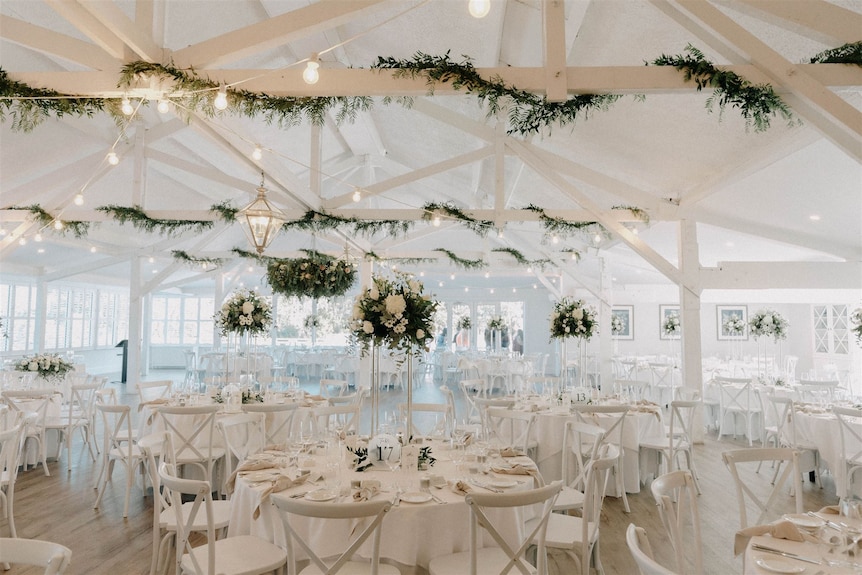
395,304
367,327
420,334
415,286
247,307
767,320
567,329
357,312
578,313
33,366
373,293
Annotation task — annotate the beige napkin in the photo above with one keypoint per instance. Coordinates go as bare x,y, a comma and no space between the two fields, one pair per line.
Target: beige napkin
830,510
460,488
781,529
276,447
247,466
538,480
158,401
365,493
510,452
279,483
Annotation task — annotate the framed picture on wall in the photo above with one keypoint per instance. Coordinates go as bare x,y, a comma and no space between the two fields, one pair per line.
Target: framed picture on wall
622,322
670,325
732,322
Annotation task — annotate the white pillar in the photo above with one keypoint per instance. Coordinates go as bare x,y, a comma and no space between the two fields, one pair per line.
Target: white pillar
133,366
692,361
606,344
366,271
41,315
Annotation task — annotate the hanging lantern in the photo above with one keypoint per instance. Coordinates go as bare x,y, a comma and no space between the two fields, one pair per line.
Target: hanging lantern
261,220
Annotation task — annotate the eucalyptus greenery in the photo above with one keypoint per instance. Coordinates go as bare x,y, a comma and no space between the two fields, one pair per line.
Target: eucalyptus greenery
373,257
636,212
318,221
30,107
462,262
136,216
184,256
225,211
519,257
758,104
45,219
261,259
528,113
847,54
450,210
317,275
197,94
573,253
562,227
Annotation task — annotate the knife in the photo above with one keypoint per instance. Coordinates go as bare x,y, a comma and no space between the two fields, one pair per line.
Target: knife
757,547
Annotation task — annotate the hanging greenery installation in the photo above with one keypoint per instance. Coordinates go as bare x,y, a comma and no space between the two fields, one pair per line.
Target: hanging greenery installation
450,210
467,264
78,229
317,275
136,216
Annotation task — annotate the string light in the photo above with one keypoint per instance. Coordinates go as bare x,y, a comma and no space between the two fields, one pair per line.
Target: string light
357,195
479,8
257,154
555,239
151,259
93,250
535,286
421,274
113,158
436,221
310,75
164,106
466,289
79,199
451,276
126,107
22,242
58,225
500,233
597,238
492,290
574,255
220,102
487,274
3,232
440,284
37,237
41,250
514,290
529,270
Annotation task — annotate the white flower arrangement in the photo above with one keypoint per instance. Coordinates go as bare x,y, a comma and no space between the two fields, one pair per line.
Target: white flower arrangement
497,323
768,322
311,322
856,320
616,325
733,326
571,318
246,312
464,323
48,365
394,313
671,325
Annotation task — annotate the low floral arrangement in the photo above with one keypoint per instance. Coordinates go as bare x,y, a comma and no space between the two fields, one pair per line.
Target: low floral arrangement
48,365
497,323
768,322
671,325
733,325
246,312
315,276
616,325
394,313
425,458
311,322
464,323
247,397
571,318
360,457
856,320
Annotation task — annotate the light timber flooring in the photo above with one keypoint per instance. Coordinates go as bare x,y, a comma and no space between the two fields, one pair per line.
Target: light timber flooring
60,507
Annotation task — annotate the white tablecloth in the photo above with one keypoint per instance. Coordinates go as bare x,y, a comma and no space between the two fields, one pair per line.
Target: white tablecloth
822,430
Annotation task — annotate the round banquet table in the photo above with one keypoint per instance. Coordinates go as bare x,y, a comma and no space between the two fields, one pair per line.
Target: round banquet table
819,427
412,533
762,563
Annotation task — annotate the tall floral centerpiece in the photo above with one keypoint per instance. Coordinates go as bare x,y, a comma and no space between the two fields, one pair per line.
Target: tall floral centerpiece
393,313
496,325
47,366
246,314
856,321
734,326
462,338
767,322
572,318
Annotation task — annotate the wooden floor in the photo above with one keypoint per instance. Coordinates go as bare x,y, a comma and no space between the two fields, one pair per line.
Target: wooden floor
60,508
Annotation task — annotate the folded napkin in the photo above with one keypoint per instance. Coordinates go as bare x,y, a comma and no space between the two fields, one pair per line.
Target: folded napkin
279,483
281,447
460,487
314,398
830,510
245,467
538,480
510,452
365,493
158,401
781,529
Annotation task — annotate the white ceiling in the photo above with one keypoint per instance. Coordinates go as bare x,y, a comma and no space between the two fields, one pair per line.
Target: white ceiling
752,194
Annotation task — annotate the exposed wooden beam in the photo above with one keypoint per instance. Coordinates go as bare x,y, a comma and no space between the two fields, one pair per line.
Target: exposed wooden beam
556,49
827,22
272,32
84,21
55,44
115,20
787,275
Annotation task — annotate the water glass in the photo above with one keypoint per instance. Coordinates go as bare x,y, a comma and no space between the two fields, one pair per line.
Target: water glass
832,547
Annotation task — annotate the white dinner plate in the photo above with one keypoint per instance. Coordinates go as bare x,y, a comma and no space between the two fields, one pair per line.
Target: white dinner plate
260,456
321,495
804,521
503,483
780,565
415,497
264,475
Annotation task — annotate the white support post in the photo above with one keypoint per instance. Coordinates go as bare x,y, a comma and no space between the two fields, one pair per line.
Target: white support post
133,367
366,270
146,334
41,314
692,362
606,347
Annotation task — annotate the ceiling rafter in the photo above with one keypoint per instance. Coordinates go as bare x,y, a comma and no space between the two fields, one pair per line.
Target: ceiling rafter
555,49
138,40
823,21
53,43
90,26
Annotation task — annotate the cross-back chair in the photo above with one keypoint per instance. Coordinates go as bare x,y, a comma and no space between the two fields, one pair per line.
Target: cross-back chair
243,435
429,419
278,422
193,430
678,440
641,550
851,445
117,448
611,418
33,406
676,494
11,440
740,461
55,558
737,398
581,442
512,428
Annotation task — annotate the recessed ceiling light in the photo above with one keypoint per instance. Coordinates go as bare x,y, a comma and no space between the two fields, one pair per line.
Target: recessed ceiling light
814,218
440,284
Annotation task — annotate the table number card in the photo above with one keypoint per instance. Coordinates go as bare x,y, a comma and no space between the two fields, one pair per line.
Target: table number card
410,457
580,395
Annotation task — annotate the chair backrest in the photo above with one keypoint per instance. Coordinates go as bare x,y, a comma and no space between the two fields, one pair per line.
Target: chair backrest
429,419
29,401
55,558
850,434
332,418
11,442
682,424
639,547
511,428
635,389
611,418
450,401
243,435
83,400
192,428
202,492
481,503
373,512
743,476
152,390
779,410
118,428
676,496
816,390
333,387
483,404
279,420
470,388
736,394
581,443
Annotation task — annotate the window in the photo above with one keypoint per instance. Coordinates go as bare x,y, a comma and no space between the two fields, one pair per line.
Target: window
831,329
181,320
18,309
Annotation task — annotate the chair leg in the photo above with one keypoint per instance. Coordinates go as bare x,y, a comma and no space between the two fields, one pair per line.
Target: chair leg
10,514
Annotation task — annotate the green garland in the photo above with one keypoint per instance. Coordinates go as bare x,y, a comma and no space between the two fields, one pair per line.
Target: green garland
519,257
78,229
198,94
188,258
847,54
32,106
562,227
318,275
136,216
373,257
572,252
461,262
317,221
636,212
479,227
757,104
528,113
225,211
261,259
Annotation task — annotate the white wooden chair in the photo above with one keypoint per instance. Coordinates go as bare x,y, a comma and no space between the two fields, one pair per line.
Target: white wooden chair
678,440
675,494
243,435
332,418
513,429
193,430
611,418
117,447
639,547
55,558
33,406
739,461
509,556
851,444
11,441
429,419
279,418
738,399
581,442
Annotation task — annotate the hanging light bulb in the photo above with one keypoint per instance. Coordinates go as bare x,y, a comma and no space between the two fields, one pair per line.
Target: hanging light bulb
451,276
500,233
151,259
93,250
635,231
163,107
79,199
310,75
357,195
597,238
257,153
466,289
555,239
574,255
126,107
58,225
220,101
3,232
436,221
479,8
487,274
514,290
529,270
22,242
113,158
37,237
421,274
492,290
